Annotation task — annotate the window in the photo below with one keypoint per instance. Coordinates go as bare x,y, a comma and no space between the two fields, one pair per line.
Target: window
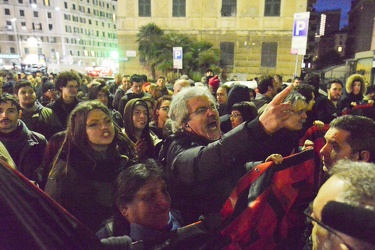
46,3
50,27
23,25
68,29
36,14
9,25
52,39
272,8
144,8
227,54
22,13
73,6
78,53
269,55
65,5
179,8
49,14
20,1
27,51
40,51
12,50
229,8
89,21
11,38
7,11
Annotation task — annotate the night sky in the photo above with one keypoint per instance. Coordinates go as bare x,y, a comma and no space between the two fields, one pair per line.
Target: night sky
335,4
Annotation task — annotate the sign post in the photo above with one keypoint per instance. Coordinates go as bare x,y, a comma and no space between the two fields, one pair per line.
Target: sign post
300,32
177,58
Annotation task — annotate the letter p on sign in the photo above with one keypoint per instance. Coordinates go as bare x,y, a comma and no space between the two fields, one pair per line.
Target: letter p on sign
300,27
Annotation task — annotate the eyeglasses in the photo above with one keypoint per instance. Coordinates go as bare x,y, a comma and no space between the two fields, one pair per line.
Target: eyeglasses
165,108
234,115
308,212
203,110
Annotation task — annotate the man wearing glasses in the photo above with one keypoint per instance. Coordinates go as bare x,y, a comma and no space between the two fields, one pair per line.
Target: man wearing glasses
203,165
343,213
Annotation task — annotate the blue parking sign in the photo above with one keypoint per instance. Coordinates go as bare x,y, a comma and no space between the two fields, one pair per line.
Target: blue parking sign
177,57
300,27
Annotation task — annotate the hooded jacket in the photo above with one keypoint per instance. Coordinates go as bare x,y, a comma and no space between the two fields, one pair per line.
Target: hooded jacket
26,148
349,97
151,139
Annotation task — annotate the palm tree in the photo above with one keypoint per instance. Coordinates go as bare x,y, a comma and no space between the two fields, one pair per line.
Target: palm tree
150,45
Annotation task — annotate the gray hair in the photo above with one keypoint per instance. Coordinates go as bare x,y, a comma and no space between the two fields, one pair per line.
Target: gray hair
293,97
179,110
359,177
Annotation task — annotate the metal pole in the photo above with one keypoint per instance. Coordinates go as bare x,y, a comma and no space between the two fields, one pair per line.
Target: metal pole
296,67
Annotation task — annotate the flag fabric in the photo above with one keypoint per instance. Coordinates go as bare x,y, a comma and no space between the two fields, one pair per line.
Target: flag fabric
265,210
30,219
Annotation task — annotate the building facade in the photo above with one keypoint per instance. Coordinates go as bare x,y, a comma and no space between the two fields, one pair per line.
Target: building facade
59,33
254,37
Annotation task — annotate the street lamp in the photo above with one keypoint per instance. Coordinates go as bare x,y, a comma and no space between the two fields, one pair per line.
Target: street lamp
13,20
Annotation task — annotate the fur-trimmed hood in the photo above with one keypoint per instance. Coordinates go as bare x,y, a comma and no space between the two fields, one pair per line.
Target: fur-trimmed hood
351,79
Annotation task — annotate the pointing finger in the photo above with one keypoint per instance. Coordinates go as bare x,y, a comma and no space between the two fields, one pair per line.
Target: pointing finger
279,98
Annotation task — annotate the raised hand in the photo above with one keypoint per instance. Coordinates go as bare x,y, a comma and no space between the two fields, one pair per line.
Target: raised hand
276,113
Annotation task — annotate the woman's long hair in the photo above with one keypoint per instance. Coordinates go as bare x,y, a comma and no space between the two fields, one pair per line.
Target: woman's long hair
76,135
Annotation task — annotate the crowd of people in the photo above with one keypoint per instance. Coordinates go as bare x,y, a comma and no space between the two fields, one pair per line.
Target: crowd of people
134,158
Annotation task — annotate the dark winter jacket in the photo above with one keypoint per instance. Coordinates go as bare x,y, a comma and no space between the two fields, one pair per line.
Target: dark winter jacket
26,148
202,174
325,110
42,120
84,186
62,110
150,138
348,97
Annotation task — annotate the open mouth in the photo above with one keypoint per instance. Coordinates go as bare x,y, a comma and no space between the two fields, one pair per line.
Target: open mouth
212,125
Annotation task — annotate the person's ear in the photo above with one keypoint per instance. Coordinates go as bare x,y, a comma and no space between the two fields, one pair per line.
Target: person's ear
157,112
364,155
187,127
19,114
124,211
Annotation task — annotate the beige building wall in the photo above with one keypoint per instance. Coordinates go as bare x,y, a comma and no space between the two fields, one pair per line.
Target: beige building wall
248,30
